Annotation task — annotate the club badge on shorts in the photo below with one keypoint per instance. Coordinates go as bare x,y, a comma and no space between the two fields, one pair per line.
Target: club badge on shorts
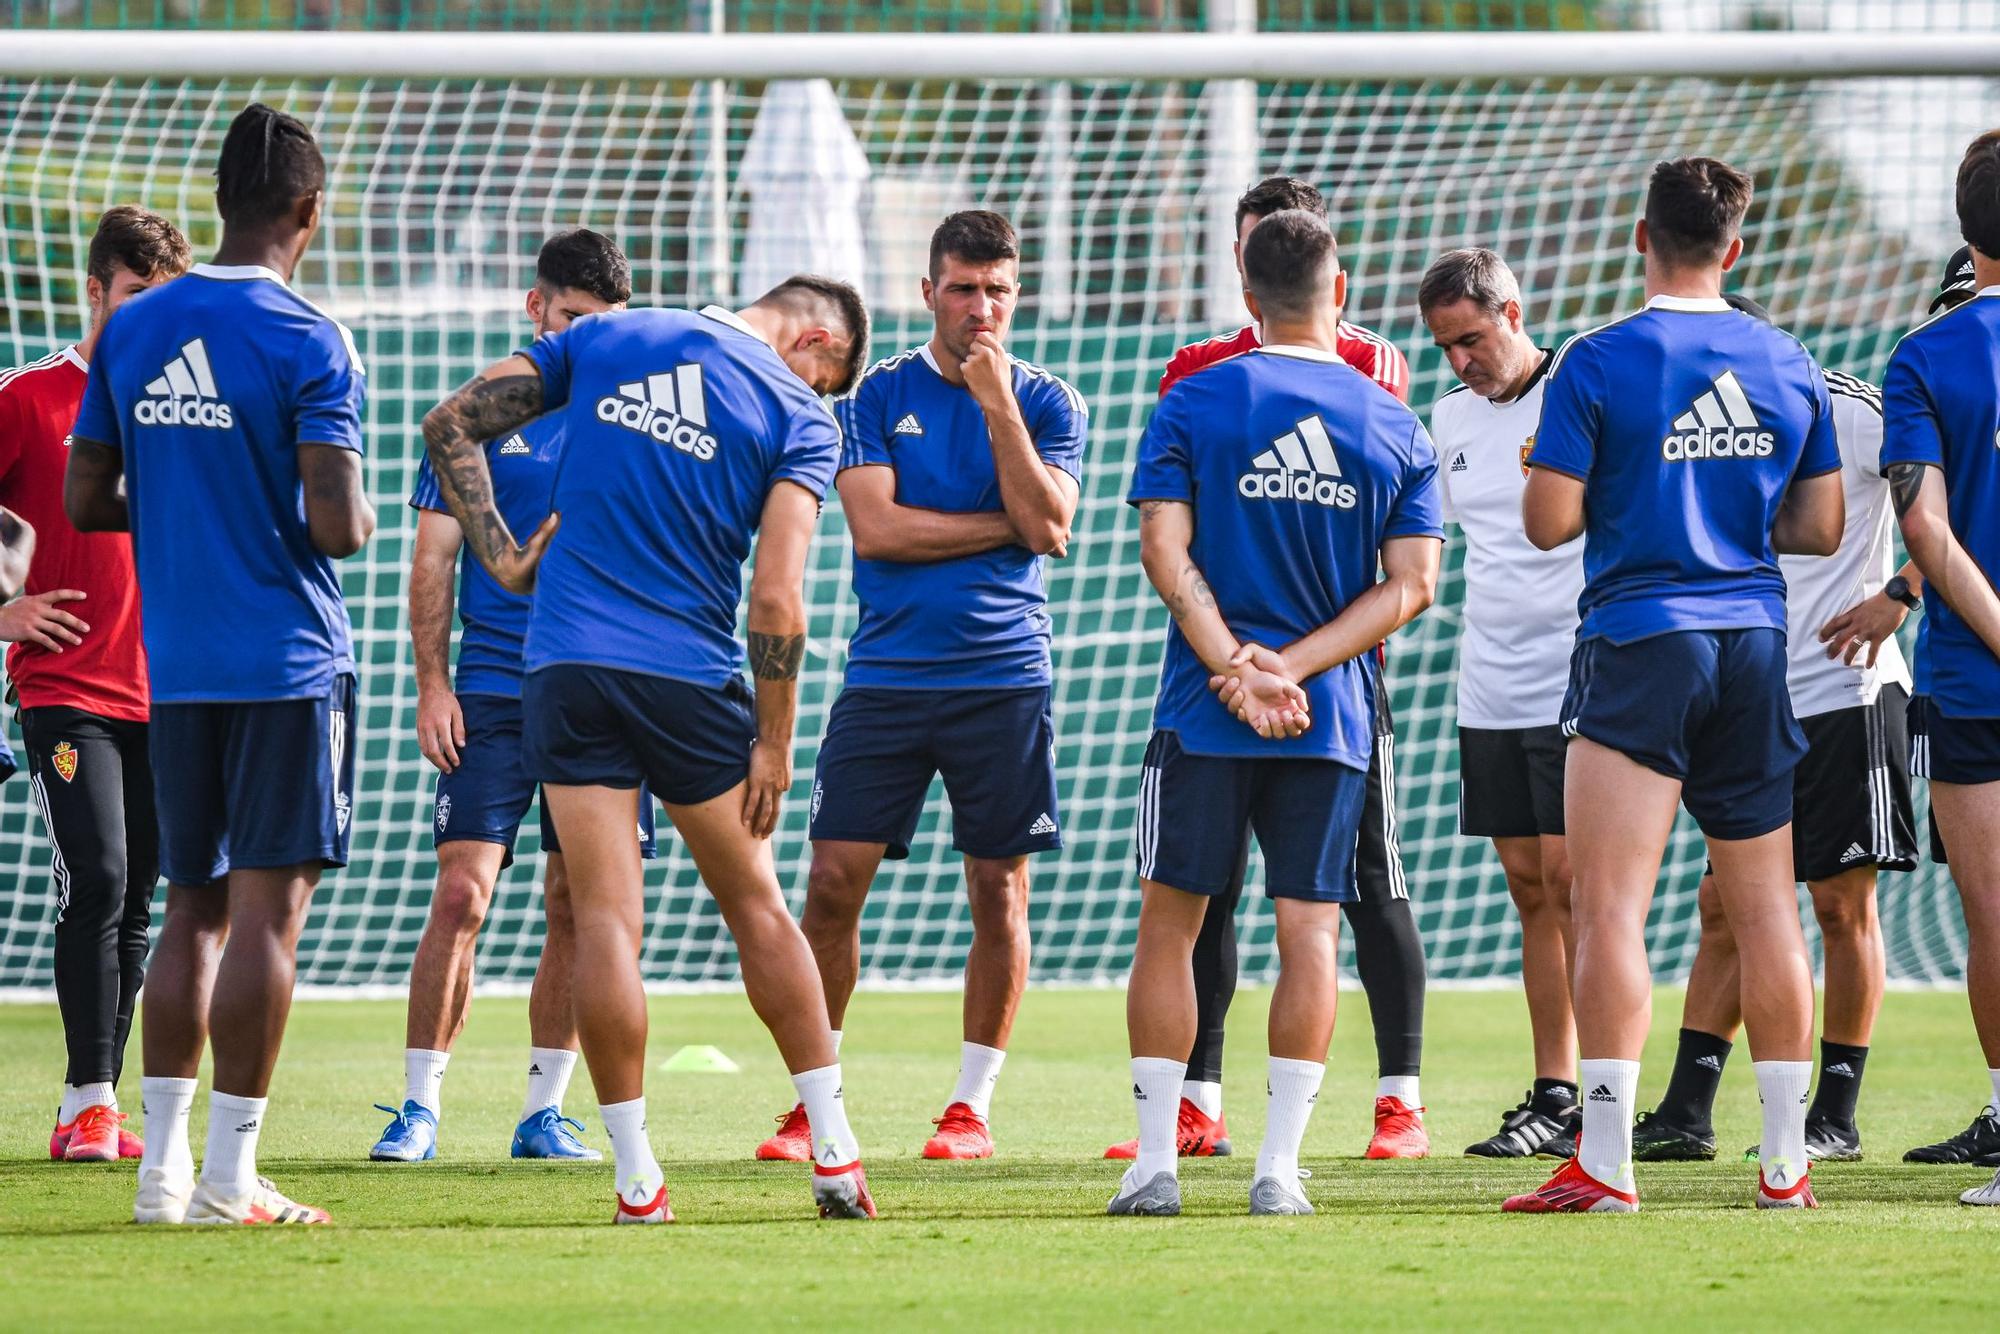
64,758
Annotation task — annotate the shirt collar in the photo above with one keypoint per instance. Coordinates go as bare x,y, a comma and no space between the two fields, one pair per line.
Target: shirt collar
1300,351
1698,304
74,356
1993,290
237,272
930,358
728,317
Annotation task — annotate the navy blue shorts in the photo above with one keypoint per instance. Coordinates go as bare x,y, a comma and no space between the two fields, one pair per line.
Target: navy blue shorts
1952,750
486,797
995,749
254,785
1708,708
1196,813
602,727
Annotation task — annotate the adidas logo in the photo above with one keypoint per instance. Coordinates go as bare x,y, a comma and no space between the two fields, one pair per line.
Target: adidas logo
909,425
1138,1093
248,1127
1720,425
1844,1070
515,445
534,1068
1710,1063
1458,462
1855,853
669,406
1603,1093
1299,465
185,394
1042,825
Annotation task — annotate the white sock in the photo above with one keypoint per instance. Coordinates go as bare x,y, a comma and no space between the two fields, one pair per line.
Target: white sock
423,1076
76,1097
639,1175
834,1144
1784,1088
1156,1091
836,1041
978,1071
164,1105
1294,1088
1609,1090
1205,1094
1403,1088
549,1069
230,1165
1994,1075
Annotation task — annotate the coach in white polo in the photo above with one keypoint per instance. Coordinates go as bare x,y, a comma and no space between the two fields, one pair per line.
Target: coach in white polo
1520,619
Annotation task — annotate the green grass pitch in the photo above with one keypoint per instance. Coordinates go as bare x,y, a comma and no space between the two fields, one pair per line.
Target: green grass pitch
1017,1242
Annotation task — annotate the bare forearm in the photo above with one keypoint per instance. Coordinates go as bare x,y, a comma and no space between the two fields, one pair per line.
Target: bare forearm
1362,624
777,643
91,500
431,601
917,536
1188,597
1037,506
454,435
1952,575
339,517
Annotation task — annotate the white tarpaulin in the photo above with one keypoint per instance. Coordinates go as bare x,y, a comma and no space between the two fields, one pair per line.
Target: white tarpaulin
806,174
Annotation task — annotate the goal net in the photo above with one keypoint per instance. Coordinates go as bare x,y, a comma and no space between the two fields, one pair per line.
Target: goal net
442,189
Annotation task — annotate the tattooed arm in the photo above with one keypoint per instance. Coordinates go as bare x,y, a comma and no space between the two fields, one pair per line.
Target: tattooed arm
339,518
505,395
92,495
777,631
1950,572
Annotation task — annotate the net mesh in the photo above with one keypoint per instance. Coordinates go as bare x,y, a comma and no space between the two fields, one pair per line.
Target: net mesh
441,193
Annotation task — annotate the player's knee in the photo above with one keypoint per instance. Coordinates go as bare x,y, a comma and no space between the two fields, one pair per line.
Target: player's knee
999,896
1714,921
835,891
460,901
1531,897
1843,914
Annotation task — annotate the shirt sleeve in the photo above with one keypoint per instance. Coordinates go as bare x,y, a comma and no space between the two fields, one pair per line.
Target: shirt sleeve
425,494
811,451
97,418
1392,370
1821,454
1910,430
1165,470
1415,512
551,356
1572,410
1060,427
864,432
331,390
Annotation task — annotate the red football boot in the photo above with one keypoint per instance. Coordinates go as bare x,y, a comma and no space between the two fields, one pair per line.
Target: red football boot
1573,1191
93,1136
1399,1131
1197,1136
961,1133
793,1142
1798,1195
842,1192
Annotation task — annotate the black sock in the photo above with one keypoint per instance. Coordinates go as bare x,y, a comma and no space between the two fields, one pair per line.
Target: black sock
1839,1083
1389,955
1553,1097
1215,978
1690,1099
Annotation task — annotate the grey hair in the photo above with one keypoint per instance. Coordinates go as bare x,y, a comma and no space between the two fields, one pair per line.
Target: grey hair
1476,275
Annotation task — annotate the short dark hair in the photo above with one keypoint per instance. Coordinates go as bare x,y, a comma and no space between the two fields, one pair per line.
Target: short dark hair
976,236
1694,209
1979,194
581,260
837,303
1288,260
268,160
143,242
1474,274
1275,194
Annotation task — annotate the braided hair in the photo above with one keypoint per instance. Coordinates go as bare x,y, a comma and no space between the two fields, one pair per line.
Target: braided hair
268,160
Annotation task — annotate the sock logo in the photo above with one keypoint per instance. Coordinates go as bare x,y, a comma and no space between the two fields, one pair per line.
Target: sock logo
1139,1094
1603,1093
248,1127
184,394
1299,465
669,406
534,1068
1711,1063
1844,1070
1719,425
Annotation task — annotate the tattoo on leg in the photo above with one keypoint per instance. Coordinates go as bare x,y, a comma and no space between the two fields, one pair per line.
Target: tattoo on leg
776,657
1906,480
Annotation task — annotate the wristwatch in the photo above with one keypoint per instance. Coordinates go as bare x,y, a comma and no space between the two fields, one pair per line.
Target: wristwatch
1898,589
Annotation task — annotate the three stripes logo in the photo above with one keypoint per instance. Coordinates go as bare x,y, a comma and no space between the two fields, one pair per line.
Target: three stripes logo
1720,425
185,394
909,425
669,406
1299,465
516,445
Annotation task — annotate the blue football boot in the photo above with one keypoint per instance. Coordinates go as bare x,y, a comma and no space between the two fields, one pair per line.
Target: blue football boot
411,1138
550,1134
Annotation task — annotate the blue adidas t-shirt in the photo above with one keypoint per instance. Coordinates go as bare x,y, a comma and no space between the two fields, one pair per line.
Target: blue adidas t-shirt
1686,422
1298,468
208,385
976,621
495,621
675,428
1941,406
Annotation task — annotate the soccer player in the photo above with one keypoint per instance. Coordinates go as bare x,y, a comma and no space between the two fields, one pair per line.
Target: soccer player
1388,953
1688,445
1269,489
473,736
959,470
82,690
1853,816
1941,411
230,408
1520,625
685,434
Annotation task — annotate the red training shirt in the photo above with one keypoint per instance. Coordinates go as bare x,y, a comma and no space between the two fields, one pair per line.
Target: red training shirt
106,673
1364,349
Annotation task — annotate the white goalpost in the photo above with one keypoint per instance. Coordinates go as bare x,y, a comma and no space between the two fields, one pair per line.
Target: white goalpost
716,159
